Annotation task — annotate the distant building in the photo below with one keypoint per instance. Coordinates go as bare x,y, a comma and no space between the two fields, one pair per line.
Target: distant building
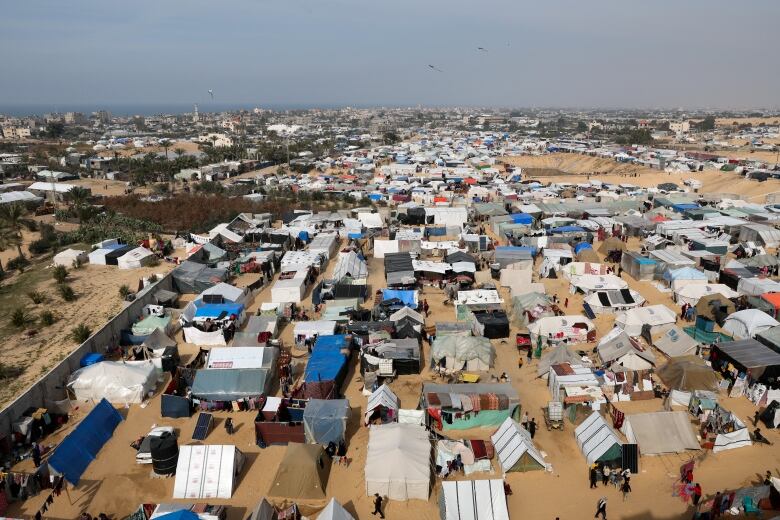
216,140
74,118
680,127
15,132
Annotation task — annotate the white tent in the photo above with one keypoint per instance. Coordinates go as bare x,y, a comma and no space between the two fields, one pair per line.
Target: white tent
729,441
118,382
691,294
596,439
207,471
614,300
474,500
660,432
588,283
135,258
98,256
573,327
384,397
334,511
309,329
675,343
747,323
657,316
463,353
195,336
67,257
290,290
350,264
513,443
241,357
757,286
229,293
398,462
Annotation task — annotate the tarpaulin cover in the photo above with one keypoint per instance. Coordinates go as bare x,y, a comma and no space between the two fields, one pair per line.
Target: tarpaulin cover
212,310
581,246
567,229
522,218
82,445
474,500
409,298
230,384
328,362
325,420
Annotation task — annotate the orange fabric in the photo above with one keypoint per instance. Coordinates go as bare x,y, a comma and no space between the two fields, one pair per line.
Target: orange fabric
773,298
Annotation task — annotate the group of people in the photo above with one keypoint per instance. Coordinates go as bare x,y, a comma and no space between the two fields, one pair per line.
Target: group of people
616,477
529,425
687,312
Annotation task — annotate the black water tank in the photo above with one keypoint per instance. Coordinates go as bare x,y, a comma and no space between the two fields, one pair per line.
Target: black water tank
165,454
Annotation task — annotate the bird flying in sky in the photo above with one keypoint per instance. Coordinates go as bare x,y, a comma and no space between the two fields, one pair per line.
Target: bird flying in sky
211,93
482,49
434,68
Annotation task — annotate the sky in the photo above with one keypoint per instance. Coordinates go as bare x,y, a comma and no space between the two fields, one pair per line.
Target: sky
564,53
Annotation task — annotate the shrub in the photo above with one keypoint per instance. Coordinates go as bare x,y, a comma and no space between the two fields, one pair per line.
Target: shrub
80,333
154,261
47,318
77,263
18,263
38,247
66,292
36,297
153,278
124,290
60,274
20,317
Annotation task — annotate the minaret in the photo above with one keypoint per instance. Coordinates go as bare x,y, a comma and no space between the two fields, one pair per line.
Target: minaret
195,114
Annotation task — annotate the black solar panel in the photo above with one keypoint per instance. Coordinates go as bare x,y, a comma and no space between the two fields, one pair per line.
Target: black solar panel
202,427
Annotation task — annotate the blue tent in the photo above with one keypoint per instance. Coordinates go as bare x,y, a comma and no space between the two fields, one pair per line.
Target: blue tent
522,218
303,235
181,514
509,249
684,273
409,298
82,445
212,310
327,361
683,206
355,235
375,196
582,245
567,229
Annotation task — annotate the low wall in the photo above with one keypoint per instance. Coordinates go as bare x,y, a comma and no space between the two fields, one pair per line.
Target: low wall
51,387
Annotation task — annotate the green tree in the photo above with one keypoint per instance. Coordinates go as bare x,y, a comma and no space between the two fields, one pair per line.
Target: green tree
582,127
54,130
12,217
79,199
708,123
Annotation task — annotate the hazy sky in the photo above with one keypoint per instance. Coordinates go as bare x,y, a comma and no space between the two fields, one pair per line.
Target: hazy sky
613,53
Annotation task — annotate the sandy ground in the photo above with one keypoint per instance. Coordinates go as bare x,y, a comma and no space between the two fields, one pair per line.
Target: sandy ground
115,484
97,288
755,121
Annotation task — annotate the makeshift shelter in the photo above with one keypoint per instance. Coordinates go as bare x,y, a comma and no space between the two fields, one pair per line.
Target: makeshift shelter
691,294
327,367
771,414
118,382
660,432
684,276
612,244
334,511
350,265
382,404
557,356
529,307
616,348
325,421
492,324
193,278
312,329
750,357
614,300
715,308
398,462
675,343
231,384
454,353
136,258
290,290
68,257
494,402
589,283
100,256
574,328
687,374
401,356
81,446
747,323
598,442
655,316
302,474
207,471
515,448
638,266
473,500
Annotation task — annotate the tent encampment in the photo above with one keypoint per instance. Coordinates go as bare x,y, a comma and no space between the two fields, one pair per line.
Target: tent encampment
398,462
473,500
207,471
453,353
515,448
302,474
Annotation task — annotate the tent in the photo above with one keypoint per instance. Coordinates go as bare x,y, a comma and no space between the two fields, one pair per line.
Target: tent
224,291
407,298
515,448
660,432
82,445
384,402
492,324
231,383
207,471
557,356
334,511
675,343
771,414
290,290
739,438
69,256
614,300
574,328
756,359
715,307
454,353
136,258
588,283
656,316
158,340
598,442
683,276
118,382
193,278
302,474
398,462
327,366
747,323
687,374
352,265
406,313
325,421
618,348
404,354
692,294
99,256
473,500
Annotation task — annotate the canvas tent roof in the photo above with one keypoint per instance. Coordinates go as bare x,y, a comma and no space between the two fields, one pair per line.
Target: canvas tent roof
557,356
398,461
302,474
661,432
462,349
384,397
597,440
350,264
632,320
675,343
687,374
616,344
334,511
118,382
512,443
713,306
230,384
747,323
750,353
407,313
474,500
207,471
158,340
325,420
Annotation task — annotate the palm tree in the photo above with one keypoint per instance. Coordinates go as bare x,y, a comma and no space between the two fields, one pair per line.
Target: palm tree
8,239
79,198
12,217
179,152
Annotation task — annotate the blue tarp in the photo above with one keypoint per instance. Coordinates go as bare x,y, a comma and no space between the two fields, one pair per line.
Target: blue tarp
212,310
303,235
522,218
567,229
181,514
91,359
327,362
355,235
409,298
438,231
530,249
375,196
684,273
683,206
82,445
581,246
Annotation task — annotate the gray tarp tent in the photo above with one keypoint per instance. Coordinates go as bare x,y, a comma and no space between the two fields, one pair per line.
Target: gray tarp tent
194,278
325,420
231,384
557,356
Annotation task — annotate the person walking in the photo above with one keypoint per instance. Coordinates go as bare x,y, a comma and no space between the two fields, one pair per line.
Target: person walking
601,508
532,427
426,308
524,422
378,506
566,303
605,475
229,426
715,511
696,494
756,416
36,454
625,488
593,477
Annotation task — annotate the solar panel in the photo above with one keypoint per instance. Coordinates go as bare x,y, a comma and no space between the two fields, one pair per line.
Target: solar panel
202,427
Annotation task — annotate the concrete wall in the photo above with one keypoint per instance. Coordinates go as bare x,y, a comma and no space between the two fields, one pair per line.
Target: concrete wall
51,387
